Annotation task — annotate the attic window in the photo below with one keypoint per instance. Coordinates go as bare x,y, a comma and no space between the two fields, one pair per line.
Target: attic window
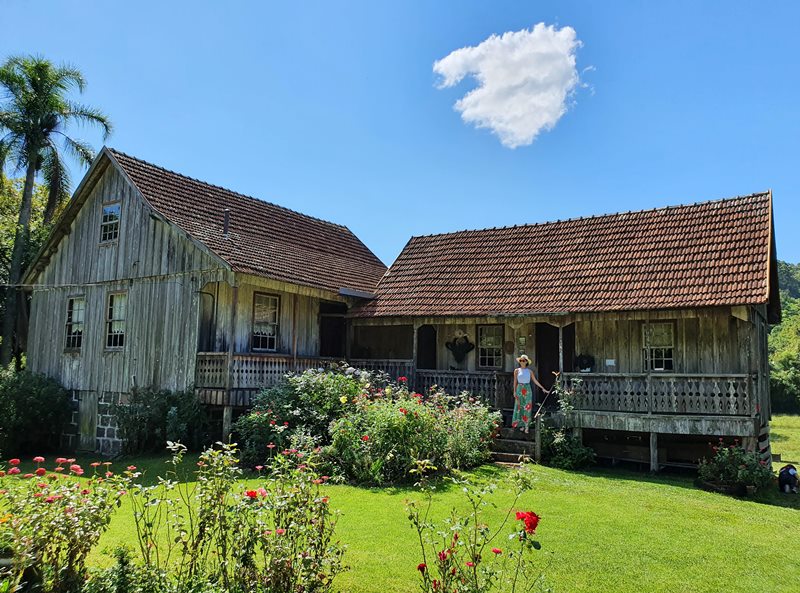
265,322
109,226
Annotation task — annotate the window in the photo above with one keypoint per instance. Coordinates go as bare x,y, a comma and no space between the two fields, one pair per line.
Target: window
490,346
265,322
109,227
76,307
115,320
658,340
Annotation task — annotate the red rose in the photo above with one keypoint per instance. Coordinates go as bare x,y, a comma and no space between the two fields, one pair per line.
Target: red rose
530,519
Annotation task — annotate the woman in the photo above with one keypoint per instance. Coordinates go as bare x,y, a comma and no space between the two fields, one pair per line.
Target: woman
523,394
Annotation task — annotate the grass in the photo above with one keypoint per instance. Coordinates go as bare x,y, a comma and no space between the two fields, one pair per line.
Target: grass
602,530
785,438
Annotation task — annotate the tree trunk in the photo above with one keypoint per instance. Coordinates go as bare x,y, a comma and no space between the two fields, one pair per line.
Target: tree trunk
17,255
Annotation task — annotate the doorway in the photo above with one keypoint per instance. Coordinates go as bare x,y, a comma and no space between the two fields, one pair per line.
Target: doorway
332,329
426,347
547,353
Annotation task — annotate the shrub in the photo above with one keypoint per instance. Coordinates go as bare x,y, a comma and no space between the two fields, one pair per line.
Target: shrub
34,410
151,418
53,521
465,553
212,534
380,440
565,451
734,467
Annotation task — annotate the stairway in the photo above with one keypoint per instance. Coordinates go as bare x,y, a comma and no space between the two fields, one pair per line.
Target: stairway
512,444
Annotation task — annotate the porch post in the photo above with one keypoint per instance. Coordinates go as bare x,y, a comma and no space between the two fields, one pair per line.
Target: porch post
294,332
413,379
653,452
560,348
227,410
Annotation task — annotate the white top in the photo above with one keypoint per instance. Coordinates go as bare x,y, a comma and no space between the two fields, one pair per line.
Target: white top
523,375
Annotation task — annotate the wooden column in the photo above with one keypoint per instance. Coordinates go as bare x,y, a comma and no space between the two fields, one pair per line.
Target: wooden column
294,332
537,435
227,410
560,348
653,452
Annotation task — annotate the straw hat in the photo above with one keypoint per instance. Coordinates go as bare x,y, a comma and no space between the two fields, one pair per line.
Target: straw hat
524,357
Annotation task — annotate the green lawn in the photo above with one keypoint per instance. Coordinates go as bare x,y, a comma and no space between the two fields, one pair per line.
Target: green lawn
604,530
785,438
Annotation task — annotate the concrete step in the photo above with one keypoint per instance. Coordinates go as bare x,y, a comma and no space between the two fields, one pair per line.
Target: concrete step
513,446
507,458
516,435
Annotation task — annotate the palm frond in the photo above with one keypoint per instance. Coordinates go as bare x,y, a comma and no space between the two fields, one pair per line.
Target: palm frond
79,149
56,176
70,76
85,114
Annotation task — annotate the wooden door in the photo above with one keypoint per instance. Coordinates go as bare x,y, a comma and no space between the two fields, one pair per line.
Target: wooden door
87,418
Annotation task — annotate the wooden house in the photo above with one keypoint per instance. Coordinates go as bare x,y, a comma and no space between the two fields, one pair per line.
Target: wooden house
660,317
153,279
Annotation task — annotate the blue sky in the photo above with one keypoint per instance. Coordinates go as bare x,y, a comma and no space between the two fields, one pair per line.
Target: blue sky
333,108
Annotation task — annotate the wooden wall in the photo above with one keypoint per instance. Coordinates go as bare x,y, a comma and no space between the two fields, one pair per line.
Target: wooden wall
162,272
297,311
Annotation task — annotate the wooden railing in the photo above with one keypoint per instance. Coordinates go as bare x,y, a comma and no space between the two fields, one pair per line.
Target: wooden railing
661,393
394,367
495,387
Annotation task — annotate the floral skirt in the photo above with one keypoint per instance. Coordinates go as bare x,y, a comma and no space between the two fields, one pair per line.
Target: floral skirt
523,406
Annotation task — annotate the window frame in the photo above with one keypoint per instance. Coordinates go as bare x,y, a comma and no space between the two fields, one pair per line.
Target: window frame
109,321
71,335
104,224
668,352
277,324
500,356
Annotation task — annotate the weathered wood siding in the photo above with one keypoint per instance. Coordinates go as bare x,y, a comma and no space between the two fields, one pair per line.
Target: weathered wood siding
161,271
298,314
706,341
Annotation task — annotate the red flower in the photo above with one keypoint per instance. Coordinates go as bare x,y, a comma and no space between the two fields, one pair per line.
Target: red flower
497,551
470,564
60,460
524,418
402,379
524,391
280,531
528,406
41,471
422,567
530,519
251,494
403,411
75,468
95,464
38,459
13,461
131,468
26,476
13,470
514,424
365,438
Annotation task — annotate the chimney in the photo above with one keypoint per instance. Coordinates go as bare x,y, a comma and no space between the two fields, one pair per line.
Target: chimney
226,221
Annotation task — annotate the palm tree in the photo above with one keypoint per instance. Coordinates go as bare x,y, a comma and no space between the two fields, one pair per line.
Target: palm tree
33,121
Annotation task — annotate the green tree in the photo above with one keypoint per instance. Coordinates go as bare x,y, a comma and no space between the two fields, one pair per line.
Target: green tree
784,343
34,120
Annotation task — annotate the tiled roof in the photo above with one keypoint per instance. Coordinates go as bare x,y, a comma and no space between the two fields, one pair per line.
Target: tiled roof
264,239
706,254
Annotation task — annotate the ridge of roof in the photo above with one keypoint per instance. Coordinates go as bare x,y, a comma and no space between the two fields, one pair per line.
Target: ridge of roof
762,194
116,151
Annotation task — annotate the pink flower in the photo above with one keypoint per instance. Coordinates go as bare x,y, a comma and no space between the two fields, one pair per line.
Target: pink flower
61,460
59,469
95,464
280,531
131,468
271,446
38,459
259,467
85,491
365,438
79,472
470,564
74,467
14,461
41,471
13,470
497,551
26,476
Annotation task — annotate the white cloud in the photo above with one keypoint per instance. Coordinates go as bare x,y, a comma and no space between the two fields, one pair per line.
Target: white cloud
524,81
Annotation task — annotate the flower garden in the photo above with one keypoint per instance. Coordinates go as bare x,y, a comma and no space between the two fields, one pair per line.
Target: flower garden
346,481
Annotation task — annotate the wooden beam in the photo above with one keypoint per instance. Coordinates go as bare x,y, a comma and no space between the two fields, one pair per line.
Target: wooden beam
227,411
653,451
